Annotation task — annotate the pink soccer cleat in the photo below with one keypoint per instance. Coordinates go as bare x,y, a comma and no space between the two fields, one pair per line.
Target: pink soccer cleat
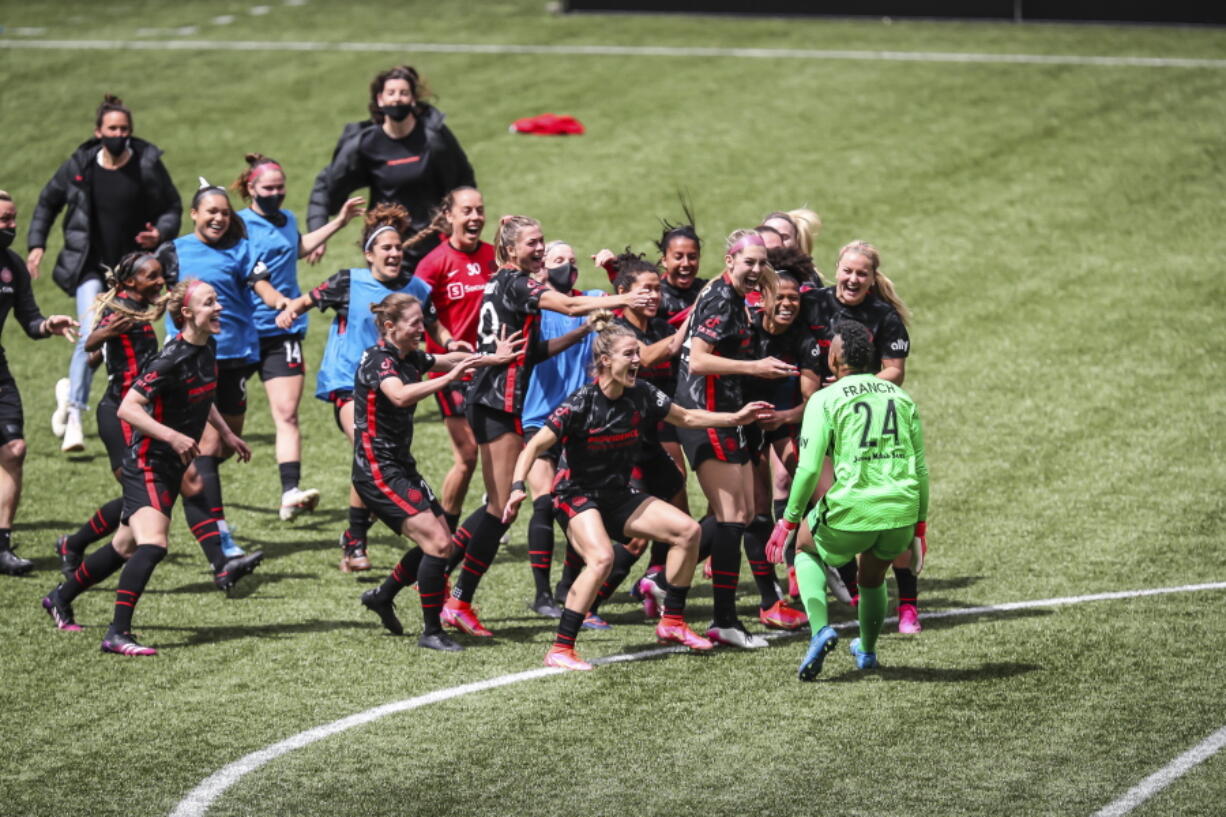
676,631
908,619
565,658
462,616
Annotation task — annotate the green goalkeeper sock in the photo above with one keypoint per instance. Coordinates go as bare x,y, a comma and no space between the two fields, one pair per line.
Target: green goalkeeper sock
872,615
811,576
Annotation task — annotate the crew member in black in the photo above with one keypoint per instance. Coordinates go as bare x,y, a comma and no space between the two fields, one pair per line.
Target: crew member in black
16,295
168,408
601,428
120,199
403,153
495,399
718,352
387,388
680,254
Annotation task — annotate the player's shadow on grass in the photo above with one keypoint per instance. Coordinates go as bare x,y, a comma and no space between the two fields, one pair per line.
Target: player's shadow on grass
246,586
939,675
43,524
199,636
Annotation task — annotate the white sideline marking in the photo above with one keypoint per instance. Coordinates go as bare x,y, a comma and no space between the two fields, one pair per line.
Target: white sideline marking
199,799
616,51
1165,776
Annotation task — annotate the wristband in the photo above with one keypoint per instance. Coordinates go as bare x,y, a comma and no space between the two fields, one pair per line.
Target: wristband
921,529
518,485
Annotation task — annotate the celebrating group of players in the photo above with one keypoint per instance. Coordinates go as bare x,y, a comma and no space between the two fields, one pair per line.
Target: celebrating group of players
775,389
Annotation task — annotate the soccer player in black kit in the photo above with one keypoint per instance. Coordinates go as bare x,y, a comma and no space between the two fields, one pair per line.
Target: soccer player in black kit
512,303
601,428
386,390
16,295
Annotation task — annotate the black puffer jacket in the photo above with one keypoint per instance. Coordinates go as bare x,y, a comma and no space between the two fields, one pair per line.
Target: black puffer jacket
70,187
448,169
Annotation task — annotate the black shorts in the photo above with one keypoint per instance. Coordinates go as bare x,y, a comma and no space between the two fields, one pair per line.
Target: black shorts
489,423
783,432
151,483
553,453
232,376
281,356
12,418
666,433
395,493
115,433
722,444
615,508
339,399
657,474
451,398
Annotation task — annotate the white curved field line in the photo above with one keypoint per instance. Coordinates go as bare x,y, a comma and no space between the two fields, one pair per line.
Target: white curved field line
199,799
1165,776
615,51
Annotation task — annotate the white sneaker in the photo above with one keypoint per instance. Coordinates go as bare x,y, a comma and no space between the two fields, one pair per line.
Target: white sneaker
296,501
59,417
74,435
736,636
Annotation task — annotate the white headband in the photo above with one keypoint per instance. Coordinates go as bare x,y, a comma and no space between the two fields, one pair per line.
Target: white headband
371,240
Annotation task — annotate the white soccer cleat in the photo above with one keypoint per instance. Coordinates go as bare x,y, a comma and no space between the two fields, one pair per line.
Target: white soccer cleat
59,417
297,501
74,435
736,636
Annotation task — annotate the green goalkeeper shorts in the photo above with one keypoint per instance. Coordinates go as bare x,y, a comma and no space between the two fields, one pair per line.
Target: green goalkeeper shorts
838,547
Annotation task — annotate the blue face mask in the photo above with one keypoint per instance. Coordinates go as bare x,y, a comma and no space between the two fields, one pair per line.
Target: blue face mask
563,278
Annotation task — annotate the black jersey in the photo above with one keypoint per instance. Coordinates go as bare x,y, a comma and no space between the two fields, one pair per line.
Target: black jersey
673,300
663,375
720,318
602,438
128,354
884,324
383,431
512,302
180,385
795,345
17,295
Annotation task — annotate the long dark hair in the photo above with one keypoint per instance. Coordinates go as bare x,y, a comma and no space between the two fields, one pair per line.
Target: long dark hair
416,84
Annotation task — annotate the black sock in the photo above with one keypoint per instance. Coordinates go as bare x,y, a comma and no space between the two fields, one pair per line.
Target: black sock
540,543
674,599
908,586
431,582
403,574
623,562
203,525
462,537
132,583
291,473
756,534
659,554
97,566
452,520
568,628
6,538
359,524
709,525
479,556
570,571
104,521
726,571
848,574
207,468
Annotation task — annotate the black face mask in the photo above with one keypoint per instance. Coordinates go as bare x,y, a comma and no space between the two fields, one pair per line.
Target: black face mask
270,204
115,145
563,278
397,113
6,237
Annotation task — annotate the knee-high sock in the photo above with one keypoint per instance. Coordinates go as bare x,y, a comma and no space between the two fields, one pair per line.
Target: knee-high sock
462,537
132,583
203,525
908,586
872,615
710,526
431,581
540,543
756,534
570,571
207,468
403,574
97,566
726,571
479,556
623,562
811,576
105,521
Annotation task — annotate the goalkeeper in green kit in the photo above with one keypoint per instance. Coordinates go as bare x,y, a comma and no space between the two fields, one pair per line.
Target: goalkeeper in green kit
878,503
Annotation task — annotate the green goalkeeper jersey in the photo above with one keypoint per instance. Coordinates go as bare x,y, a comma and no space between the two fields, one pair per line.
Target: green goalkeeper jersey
870,429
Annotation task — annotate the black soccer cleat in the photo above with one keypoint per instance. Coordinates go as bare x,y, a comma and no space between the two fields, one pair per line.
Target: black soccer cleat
69,560
385,609
234,569
438,641
545,606
12,564
125,644
60,611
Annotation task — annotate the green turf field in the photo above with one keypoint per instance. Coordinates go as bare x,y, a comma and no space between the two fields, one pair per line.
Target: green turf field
1057,231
